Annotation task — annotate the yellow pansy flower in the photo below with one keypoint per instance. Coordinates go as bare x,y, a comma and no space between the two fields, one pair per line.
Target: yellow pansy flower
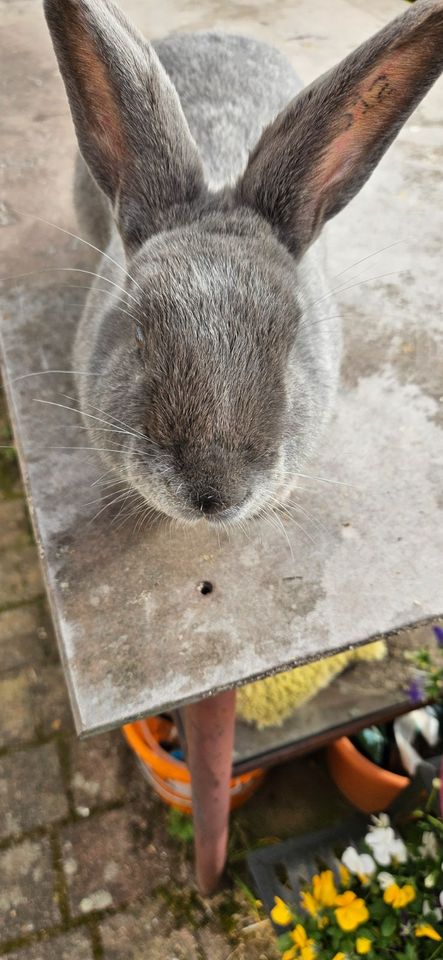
308,953
398,897
345,877
289,954
339,956
281,914
363,945
304,947
323,888
425,930
299,936
309,903
351,911
323,893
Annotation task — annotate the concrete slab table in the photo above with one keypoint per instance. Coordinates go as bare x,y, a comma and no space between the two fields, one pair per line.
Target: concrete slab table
137,633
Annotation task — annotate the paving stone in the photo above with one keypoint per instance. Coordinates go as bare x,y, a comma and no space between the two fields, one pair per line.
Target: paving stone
258,947
16,713
100,770
20,577
214,945
31,790
9,473
257,943
108,861
33,701
146,934
14,524
25,636
50,700
27,896
73,946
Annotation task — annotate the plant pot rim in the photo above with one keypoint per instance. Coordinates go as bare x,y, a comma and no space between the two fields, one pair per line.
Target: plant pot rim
364,767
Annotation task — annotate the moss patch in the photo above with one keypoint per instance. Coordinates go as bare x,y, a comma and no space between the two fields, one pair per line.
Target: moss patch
9,470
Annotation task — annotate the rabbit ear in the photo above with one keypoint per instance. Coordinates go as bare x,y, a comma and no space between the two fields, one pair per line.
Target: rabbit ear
323,147
128,118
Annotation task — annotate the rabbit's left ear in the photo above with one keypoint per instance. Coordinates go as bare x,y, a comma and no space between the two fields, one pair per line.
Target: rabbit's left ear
322,148
129,122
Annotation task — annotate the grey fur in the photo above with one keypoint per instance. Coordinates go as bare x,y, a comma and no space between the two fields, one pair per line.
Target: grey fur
226,378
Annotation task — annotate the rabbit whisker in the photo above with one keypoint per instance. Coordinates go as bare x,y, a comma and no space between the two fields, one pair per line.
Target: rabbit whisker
64,406
95,290
107,496
39,373
122,508
289,505
144,515
93,449
106,505
82,240
122,423
284,532
127,430
337,290
307,476
370,255
101,477
90,273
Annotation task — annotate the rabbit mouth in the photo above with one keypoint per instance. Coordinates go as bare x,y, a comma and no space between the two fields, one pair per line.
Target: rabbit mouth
215,513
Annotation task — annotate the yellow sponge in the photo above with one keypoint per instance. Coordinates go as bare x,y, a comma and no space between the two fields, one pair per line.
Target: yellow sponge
269,702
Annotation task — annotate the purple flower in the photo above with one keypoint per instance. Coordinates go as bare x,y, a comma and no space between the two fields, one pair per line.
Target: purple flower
416,692
438,633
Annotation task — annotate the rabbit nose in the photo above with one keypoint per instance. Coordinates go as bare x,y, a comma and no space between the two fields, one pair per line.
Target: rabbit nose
209,503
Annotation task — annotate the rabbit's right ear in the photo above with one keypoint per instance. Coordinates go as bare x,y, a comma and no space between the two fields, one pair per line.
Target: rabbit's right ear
129,122
323,147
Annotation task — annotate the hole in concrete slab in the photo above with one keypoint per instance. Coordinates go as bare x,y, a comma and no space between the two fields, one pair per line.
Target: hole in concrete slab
205,587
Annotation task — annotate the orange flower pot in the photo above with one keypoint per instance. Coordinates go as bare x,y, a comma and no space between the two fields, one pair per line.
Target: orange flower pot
363,783
169,776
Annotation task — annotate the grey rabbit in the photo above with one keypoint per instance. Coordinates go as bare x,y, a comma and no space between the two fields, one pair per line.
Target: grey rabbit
207,372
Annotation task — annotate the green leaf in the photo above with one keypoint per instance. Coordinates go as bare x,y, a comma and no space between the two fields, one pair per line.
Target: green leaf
180,826
284,942
388,926
378,909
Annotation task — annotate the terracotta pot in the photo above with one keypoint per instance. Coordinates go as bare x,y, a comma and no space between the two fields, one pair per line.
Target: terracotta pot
363,783
169,776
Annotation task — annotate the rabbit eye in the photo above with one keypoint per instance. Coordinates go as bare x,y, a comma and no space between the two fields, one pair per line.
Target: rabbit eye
139,340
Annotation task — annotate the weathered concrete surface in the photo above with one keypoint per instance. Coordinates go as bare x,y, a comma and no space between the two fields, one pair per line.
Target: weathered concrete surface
135,633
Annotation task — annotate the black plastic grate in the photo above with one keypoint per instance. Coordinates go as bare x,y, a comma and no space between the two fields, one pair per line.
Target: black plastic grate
281,869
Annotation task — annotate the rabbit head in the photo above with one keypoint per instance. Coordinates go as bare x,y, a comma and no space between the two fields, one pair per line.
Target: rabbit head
220,377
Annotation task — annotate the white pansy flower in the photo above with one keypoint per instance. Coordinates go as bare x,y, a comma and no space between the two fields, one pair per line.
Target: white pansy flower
436,911
361,864
429,847
386,846
381,820
385,879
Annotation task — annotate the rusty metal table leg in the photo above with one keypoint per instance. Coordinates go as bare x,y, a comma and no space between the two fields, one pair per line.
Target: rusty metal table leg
209,728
